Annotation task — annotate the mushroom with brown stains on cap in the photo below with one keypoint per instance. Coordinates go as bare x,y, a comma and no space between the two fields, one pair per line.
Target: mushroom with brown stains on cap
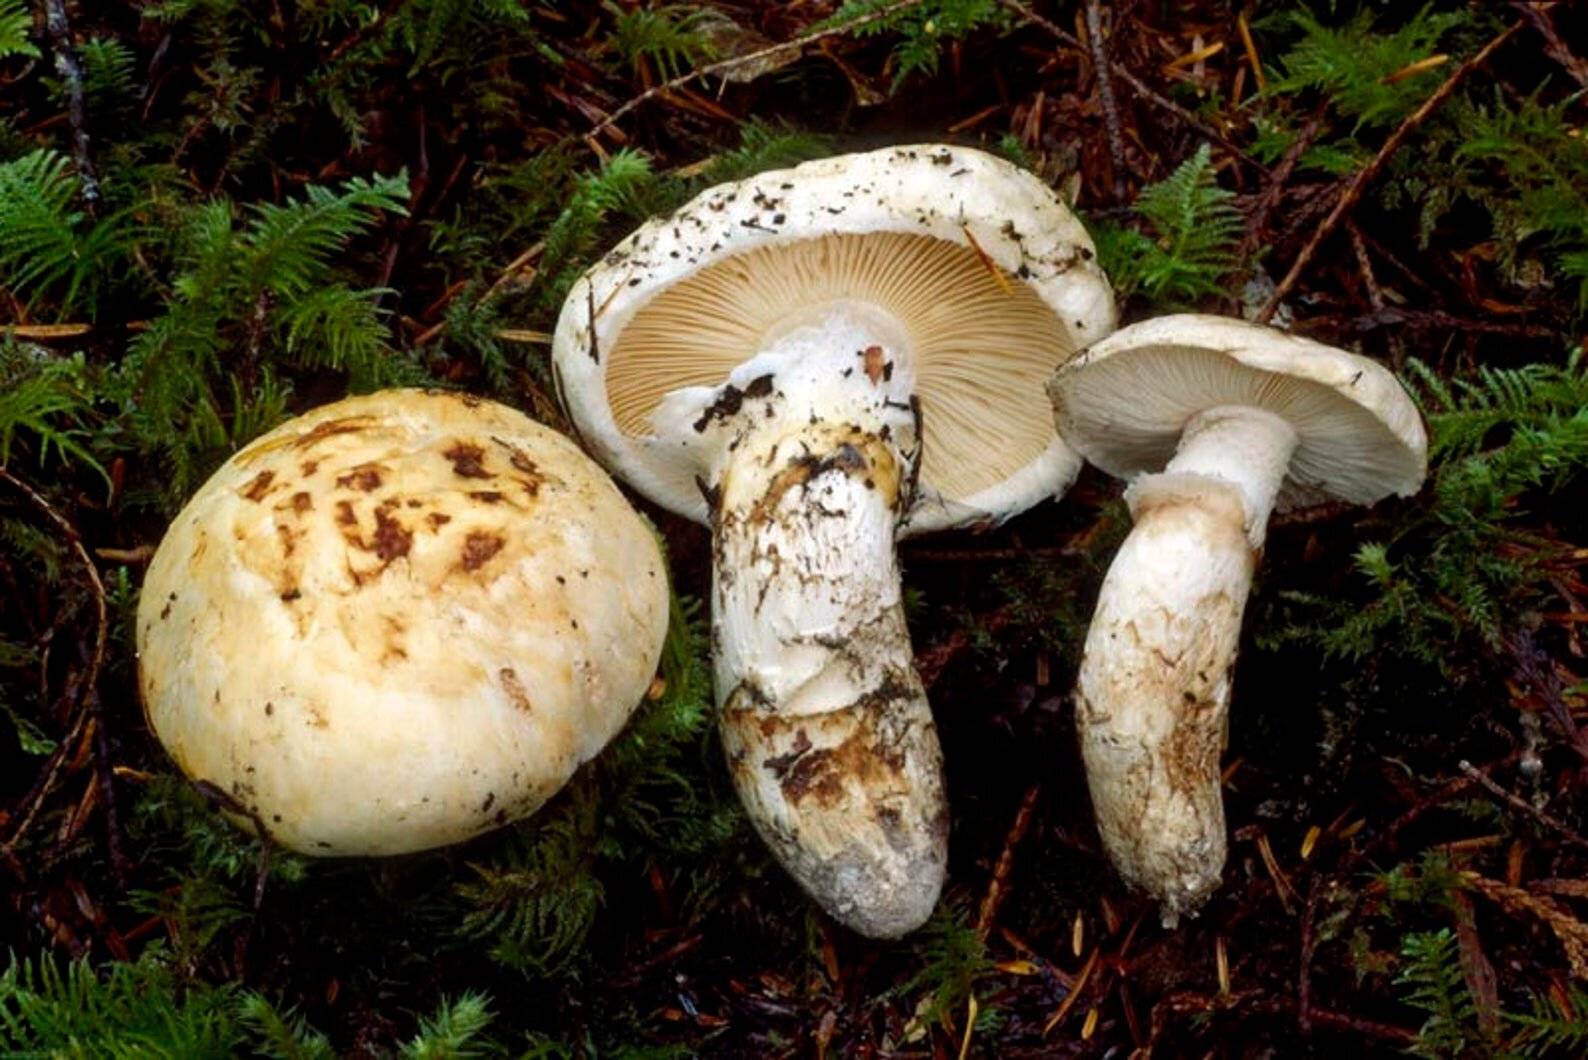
360,630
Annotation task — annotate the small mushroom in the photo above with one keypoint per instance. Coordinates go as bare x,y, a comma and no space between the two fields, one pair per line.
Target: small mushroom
398,621
815,361
1213,422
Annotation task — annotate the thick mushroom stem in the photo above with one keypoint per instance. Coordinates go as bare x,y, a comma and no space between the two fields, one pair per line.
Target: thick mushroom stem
1152,699
825,722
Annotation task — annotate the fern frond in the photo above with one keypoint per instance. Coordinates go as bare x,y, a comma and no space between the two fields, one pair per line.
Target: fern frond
453,1032
1351,64
170,818
625,186
285,248
425,27
48,401
535,901
765,145
954,957
1190,250
1529,149
281,1035
924,29
1432,982
1554,1026
15,26
108,77
129,1010
30,738
46,245
337,327
668,37
132,1009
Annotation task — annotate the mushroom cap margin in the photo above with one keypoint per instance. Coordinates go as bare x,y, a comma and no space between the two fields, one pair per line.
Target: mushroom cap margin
1361,437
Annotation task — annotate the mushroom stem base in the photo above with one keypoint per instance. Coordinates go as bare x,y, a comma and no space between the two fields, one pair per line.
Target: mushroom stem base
826,726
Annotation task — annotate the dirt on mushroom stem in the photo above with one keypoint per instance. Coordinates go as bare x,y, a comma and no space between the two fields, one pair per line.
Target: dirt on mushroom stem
1153,692
830,742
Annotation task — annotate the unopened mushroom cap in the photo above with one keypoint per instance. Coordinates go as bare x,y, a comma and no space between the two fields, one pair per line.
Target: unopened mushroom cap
398,621
1125,401
992,277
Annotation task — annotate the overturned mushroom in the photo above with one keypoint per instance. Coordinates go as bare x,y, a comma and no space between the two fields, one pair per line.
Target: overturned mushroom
397,622
1213,422
816,360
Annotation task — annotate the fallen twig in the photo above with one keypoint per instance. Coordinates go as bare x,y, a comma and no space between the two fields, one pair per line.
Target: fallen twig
1433,319
85,687
71,72
998,886
1364,266
1522,805
724,65
1476,968
1254,1002
1137,85
1570,932
1257,220
105,775
1309,943
1554,45
1105,94
1365,175
1387,836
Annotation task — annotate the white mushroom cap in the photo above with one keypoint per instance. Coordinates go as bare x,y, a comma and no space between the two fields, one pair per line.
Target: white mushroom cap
399,621
992,279
1126,400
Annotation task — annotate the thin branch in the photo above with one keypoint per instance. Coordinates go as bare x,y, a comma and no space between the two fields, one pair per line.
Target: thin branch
1522,805
1309,945
724,65
120,865
1438,320
1137,85
71,72
1554,45
1365,176
1365,266
1257,220
998,886
1105,94
96,658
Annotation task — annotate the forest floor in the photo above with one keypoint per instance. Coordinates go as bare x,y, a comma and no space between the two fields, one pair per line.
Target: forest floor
1407,774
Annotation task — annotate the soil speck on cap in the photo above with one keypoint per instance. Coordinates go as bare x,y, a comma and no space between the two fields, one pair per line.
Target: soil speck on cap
467,460
364,478
392,539
259,485
515,689
479,547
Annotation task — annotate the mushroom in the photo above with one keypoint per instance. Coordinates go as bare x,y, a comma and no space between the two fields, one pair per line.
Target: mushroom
814,361
1213,422
398,621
